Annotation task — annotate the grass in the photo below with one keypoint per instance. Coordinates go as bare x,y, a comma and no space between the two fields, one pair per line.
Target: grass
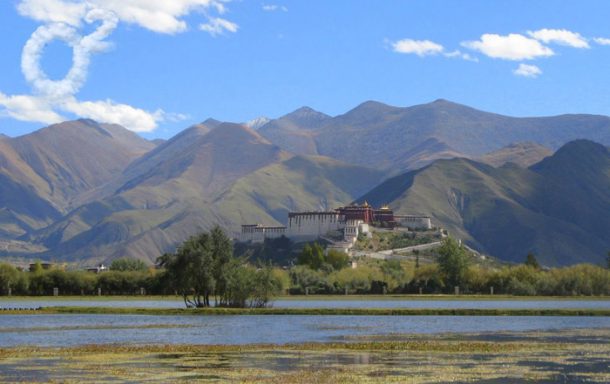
315,311
565,356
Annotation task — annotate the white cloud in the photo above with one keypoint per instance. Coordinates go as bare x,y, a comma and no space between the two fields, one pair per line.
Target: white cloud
28,108
461,55
82,48
163,16
274,7
138,120
560,36
420,48
218,26
63,20
527,70
53,11
602,40
509,47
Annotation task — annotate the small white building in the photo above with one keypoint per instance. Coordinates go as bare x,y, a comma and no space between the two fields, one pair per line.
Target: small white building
414,222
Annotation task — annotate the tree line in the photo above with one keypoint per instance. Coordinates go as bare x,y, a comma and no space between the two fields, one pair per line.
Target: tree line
454,267
204,271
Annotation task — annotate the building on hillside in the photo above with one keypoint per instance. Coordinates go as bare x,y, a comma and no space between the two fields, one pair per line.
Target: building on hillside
257,233
349,221
306,226
414,222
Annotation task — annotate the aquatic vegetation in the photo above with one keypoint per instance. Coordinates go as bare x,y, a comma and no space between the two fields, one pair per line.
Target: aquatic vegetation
572,355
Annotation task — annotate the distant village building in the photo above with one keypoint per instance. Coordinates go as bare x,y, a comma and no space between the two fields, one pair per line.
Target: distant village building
99,269
45,266
351,221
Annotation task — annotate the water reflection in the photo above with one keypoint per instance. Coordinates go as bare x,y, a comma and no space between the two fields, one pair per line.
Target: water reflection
321,303
66,330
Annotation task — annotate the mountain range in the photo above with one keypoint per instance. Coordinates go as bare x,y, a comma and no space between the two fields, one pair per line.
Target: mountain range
87,192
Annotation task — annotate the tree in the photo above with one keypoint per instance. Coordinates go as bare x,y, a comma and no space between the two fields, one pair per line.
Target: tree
531,261
9,276
190,270
204,266
337,259
608,260
312,256
453,261
128,264
222,254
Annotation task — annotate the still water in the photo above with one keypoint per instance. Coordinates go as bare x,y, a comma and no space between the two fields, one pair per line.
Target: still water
70,330
335,303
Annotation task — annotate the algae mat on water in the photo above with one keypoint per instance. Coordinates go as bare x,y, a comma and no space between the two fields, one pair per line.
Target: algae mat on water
566,356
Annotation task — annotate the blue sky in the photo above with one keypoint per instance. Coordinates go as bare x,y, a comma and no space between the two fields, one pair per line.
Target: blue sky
160,72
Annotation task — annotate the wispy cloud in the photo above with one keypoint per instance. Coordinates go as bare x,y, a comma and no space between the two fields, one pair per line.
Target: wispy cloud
461,55
274,7
219,26
560,36
602,40
527,70
531,45
64,20
420,48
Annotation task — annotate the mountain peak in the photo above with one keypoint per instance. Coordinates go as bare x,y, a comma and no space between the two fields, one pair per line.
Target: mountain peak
577,157
210,122
306,114
257,122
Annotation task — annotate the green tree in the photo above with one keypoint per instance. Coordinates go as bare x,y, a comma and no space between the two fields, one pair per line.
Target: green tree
531,261
190,270
453,262
9,277
128,264
337,259
204,266
312,256
221,254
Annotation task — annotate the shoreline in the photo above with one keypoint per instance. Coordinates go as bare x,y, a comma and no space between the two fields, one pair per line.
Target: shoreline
305,311
354,297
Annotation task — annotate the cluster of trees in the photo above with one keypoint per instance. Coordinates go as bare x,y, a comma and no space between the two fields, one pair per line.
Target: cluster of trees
125,277
204,267
454,266
314,257
205,272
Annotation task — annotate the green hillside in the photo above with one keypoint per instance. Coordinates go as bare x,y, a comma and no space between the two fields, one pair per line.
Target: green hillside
557,209
228,175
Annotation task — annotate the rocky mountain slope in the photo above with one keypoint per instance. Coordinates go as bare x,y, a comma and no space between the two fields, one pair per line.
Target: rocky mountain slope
386,137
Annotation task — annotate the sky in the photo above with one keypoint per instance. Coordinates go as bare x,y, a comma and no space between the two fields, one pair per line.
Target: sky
157,67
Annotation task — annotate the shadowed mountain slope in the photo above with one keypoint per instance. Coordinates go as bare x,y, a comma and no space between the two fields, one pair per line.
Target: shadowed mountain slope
556,209
228,175
44,172
522,154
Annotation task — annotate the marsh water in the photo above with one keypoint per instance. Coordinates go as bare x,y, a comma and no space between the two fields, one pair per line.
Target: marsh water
433,303
79,329
70,330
